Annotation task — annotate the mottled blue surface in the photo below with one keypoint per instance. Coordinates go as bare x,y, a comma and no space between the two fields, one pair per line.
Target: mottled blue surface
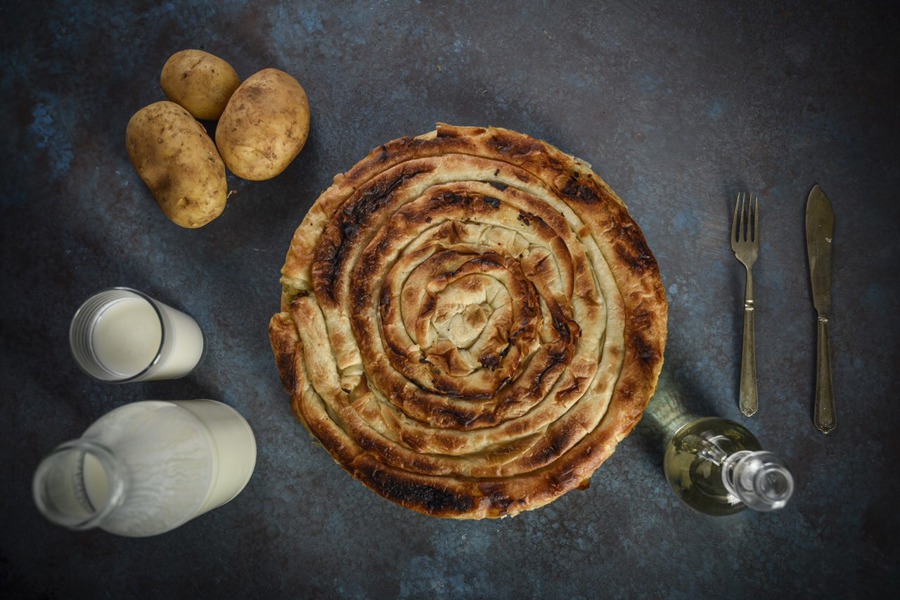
678,105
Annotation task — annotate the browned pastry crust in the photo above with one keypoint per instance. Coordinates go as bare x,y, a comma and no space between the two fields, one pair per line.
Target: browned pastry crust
470,322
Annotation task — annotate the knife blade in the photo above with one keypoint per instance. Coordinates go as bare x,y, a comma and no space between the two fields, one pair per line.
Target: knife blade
819,241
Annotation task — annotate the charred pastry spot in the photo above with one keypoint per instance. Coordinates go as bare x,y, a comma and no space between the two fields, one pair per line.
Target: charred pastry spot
447,389
511,145
450,131
383,154
398,351
568,330
497,497
428,219
326,268
562,327
490,361
497,184
428,306
448,199
524,218
487,261
560,353
293,296
431,499
493,202
359,299
452,392
502,144
640,262
571,392
575,189
557,442
461,419
373,199
563,481
633,250
367,267
645,352
403,144
285,364
538,382
382,246
385,299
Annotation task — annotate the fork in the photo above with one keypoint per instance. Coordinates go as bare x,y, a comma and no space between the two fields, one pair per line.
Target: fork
745,243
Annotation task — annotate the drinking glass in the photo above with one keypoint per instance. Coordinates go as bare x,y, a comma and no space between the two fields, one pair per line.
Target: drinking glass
120,335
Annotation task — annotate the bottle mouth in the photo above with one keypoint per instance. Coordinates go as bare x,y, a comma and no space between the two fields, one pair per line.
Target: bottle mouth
79,484
81,331
759,479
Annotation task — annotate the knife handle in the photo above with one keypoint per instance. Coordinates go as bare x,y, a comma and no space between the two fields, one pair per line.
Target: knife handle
824,416
749,394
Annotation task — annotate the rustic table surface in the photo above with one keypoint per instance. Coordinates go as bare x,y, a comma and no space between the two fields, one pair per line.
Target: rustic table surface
678,105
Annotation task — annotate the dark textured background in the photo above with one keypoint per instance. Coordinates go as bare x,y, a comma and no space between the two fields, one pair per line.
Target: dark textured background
678,105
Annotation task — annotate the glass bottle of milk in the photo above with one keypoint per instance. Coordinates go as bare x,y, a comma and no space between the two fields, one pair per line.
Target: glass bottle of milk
147,467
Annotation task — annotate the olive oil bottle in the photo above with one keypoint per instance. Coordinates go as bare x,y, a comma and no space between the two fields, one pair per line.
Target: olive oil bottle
716,466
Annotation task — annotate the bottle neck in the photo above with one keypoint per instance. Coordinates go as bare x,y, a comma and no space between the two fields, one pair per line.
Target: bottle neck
759,479
80,484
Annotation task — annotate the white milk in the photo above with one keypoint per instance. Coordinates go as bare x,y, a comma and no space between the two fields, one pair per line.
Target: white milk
121,334
182,459
127,336
96,482
182,348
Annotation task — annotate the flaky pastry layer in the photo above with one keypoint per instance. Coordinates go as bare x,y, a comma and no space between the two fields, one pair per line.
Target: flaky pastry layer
470,322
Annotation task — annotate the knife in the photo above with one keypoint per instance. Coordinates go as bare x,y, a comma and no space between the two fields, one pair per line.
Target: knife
819,236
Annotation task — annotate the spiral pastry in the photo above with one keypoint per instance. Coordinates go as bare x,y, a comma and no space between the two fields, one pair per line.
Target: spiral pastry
470,322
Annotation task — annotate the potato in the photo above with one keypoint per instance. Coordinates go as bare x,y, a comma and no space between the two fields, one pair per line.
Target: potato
200,82
177,159
264,126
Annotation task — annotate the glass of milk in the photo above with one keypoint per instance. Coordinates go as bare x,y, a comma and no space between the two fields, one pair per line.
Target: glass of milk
121,335
147,467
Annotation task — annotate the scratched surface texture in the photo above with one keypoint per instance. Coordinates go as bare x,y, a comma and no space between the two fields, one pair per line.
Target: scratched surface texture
678,105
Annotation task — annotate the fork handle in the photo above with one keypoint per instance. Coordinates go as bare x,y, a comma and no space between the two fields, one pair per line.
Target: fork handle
749,396
824,414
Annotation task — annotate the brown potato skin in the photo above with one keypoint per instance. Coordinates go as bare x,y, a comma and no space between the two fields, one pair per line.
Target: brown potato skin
264,126
177,160
200,82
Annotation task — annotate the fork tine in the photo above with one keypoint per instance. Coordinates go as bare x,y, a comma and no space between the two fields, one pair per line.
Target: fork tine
756,221
734,221
745,216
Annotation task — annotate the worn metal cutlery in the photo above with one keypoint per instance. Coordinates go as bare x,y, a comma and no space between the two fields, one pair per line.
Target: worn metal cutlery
745,243
819,237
